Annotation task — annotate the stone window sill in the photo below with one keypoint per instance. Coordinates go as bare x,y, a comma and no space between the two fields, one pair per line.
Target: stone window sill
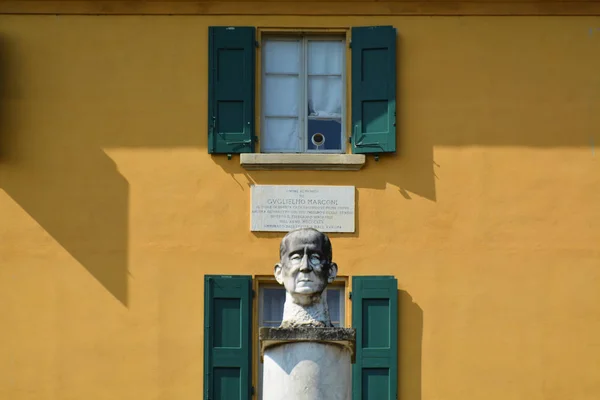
302,162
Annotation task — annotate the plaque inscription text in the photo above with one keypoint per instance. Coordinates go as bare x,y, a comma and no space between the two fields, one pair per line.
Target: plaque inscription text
281,208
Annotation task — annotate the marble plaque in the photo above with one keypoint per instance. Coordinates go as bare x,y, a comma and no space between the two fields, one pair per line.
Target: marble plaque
281,208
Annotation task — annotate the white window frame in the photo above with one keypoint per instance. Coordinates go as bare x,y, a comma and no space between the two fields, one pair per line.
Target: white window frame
303,76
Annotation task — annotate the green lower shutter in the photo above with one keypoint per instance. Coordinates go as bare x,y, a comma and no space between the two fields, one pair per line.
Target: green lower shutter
227,337
374,89
231,89
375,318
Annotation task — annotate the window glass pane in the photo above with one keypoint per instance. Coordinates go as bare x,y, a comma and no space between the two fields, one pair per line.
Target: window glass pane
330,137
281,56
325,96
333,303
280,134
272,312
325,57
281,95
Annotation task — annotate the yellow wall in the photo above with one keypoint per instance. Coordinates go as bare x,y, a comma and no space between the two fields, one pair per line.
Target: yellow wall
111,210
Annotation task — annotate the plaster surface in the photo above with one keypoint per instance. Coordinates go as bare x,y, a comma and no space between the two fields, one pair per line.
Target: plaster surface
307,371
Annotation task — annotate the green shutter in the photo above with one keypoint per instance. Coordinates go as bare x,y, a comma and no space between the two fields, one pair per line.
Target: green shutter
227,337
375,318
374,89
231,89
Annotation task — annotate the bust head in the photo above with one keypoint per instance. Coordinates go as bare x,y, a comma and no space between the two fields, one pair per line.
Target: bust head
305,267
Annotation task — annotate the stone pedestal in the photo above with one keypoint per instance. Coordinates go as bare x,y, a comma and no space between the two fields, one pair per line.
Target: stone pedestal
307,363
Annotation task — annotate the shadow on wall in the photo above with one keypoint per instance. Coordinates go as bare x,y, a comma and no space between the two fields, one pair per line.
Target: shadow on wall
71,189
4,99
410,338
56,169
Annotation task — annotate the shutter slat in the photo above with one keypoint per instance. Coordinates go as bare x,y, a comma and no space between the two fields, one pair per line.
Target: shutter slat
374,89
228,335
231,89
375,318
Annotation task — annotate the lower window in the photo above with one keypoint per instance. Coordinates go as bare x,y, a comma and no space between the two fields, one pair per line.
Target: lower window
230,309
303,96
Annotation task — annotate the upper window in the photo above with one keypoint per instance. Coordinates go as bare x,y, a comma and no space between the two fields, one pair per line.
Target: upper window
302,88
303,96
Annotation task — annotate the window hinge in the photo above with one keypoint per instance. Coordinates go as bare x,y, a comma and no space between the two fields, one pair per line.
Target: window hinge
349,139
253,293
350,44
252,391
256,43
350,295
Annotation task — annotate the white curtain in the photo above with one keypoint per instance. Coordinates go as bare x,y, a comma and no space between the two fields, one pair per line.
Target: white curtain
272,312
281,96
325,63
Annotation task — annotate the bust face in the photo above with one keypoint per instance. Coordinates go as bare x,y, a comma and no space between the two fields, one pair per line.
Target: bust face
305,269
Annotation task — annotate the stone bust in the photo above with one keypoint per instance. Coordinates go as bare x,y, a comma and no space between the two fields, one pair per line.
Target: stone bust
305,268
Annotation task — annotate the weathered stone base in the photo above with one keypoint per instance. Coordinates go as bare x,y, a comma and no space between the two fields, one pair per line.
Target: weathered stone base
307,363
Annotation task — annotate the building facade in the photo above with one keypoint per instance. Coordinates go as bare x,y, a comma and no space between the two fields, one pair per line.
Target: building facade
131,134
